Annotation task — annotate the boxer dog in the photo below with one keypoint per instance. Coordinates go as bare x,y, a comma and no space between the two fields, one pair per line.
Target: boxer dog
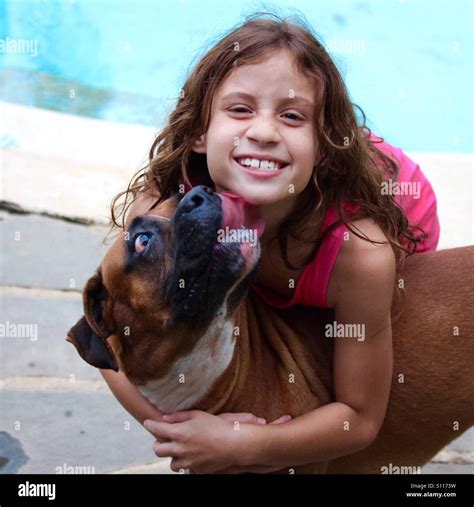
170,306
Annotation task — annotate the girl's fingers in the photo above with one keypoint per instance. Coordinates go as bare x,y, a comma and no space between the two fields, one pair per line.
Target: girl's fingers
243,417
256,469
177,466
248,418
178,417
166,450
282,419
158,429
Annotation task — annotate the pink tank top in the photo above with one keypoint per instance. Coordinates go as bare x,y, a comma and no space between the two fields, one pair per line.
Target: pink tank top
418,201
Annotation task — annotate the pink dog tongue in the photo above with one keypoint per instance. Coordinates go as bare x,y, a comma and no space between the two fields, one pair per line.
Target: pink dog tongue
239,212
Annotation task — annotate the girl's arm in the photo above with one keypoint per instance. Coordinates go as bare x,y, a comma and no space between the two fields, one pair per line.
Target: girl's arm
130,397
361,290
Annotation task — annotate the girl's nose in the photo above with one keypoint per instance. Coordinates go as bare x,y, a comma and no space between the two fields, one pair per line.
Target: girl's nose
264,131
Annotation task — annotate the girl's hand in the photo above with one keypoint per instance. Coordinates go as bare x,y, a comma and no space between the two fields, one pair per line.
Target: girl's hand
205,443
251,419
247,418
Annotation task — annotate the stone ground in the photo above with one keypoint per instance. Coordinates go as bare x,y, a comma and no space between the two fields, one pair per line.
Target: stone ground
56,410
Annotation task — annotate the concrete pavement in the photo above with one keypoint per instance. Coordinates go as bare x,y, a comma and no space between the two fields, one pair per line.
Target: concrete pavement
57,414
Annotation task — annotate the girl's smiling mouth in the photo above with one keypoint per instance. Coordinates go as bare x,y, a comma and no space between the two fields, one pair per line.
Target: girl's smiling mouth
260,167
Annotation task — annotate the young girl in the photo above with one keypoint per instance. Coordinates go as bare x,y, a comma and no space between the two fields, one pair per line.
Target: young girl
342,209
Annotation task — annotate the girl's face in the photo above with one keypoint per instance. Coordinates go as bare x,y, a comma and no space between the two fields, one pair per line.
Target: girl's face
262,111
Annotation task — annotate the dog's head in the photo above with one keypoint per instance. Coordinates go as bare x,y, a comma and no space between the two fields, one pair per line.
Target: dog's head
181,267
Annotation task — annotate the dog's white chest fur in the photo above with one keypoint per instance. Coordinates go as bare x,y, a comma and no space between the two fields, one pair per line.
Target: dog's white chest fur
192,376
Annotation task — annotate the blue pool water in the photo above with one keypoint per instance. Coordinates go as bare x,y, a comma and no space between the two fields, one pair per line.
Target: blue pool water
409,64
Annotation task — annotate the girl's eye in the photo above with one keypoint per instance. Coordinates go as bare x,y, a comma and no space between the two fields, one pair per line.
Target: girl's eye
243,110
296,117
235,109
141,242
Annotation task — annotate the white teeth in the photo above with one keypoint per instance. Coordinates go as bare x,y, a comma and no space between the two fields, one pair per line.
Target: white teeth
255,163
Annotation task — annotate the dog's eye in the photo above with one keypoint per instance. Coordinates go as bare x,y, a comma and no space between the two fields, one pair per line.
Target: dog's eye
141,242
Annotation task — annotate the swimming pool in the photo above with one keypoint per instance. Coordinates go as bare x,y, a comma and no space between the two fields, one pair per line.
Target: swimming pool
409,64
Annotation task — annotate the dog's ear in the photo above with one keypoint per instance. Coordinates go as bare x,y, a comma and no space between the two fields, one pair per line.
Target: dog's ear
95,297
89,334
91,347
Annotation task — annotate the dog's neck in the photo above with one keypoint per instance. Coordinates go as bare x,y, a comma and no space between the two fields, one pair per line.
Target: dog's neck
192,376
244,350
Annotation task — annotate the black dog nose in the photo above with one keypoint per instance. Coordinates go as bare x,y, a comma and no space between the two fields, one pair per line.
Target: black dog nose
195,198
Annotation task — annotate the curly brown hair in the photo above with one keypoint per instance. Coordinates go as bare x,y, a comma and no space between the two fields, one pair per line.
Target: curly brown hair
350,167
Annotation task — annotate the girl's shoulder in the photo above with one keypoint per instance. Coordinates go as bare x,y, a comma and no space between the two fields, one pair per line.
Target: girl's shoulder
339,252
360,261
408,169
